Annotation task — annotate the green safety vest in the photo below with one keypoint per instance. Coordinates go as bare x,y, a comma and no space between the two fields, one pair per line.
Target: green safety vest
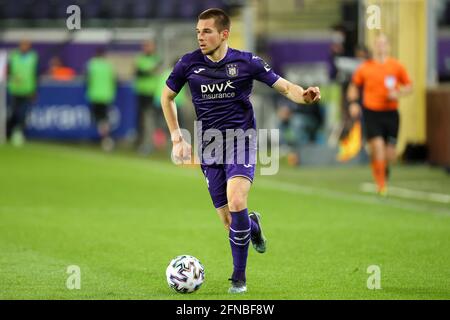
180,99
22,79
145,85
101,85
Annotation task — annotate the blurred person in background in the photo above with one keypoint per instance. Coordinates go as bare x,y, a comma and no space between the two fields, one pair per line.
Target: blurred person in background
180,99
58,72
221,79
298,126
149,116
101,92
383,80
22,88
337,48
350,136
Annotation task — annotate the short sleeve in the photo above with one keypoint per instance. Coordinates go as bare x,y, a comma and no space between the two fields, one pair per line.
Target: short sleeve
403,77
262,71
177,77
358,78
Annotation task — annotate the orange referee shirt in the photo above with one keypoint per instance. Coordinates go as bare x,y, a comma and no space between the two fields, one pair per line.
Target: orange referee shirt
377,79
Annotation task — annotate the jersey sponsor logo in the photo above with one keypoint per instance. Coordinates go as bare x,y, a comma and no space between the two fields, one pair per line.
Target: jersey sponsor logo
217,87
248,165
199,70
217,90
232,70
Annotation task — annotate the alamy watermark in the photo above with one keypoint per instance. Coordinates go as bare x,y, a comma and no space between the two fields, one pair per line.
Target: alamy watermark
374,280
74,279
73,22
233,146
373,21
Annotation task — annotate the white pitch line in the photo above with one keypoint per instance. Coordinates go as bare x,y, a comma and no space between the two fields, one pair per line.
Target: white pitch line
266,183
347,197
409,194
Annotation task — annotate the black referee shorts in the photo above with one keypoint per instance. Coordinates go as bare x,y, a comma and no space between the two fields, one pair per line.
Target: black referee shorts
383,124
99,112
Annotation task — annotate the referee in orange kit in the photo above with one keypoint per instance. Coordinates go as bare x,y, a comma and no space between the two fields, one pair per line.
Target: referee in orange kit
383,80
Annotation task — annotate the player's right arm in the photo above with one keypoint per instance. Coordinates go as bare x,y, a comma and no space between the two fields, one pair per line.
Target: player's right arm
181,150
353,97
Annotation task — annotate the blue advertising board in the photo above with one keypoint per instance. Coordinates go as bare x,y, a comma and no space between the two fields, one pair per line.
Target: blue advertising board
61,111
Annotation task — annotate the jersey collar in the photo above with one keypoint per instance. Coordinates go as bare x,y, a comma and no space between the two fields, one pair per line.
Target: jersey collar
220,62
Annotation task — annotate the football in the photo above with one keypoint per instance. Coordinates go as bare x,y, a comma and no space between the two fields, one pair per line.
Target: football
185,274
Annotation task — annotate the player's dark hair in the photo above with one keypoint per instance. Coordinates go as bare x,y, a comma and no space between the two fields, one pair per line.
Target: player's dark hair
221,19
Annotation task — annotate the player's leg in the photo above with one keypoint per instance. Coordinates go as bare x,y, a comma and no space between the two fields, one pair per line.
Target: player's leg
378,156
391,157
257,237
217,187
237,193
146,125
377,148
100,112
12,117
392,123
104,125
224,216
140,120
17,127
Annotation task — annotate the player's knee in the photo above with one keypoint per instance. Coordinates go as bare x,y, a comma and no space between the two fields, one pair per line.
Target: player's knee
391,158
237,203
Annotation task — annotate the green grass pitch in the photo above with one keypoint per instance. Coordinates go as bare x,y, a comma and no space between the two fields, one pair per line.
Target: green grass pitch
121,219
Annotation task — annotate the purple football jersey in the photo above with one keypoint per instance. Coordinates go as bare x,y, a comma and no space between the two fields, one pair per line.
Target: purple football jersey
221,90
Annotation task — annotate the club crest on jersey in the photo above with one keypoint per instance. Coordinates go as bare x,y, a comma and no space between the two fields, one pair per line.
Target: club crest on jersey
232,70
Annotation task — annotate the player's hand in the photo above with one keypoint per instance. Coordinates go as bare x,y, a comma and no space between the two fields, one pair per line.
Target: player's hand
354,109
181,152
311,95
393,94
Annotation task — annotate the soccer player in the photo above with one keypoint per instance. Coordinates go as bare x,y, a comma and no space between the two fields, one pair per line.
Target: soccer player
22,87
384,80
220,79
146,67
101,92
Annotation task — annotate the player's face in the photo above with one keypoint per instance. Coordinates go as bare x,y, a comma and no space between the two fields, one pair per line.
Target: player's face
148,47
25,46
381,46
208,36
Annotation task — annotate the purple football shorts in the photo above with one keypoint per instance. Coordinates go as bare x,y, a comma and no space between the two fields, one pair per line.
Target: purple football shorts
233,160
217,176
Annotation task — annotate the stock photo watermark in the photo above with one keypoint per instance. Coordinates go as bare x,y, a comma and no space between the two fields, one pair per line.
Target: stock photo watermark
73,22
232,146
374,280
373,21
73,282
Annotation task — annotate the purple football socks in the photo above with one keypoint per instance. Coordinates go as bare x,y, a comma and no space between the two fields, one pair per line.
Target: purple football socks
239,241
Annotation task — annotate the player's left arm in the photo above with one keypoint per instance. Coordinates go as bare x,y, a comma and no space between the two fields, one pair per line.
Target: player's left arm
405,88
295,93
401,91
